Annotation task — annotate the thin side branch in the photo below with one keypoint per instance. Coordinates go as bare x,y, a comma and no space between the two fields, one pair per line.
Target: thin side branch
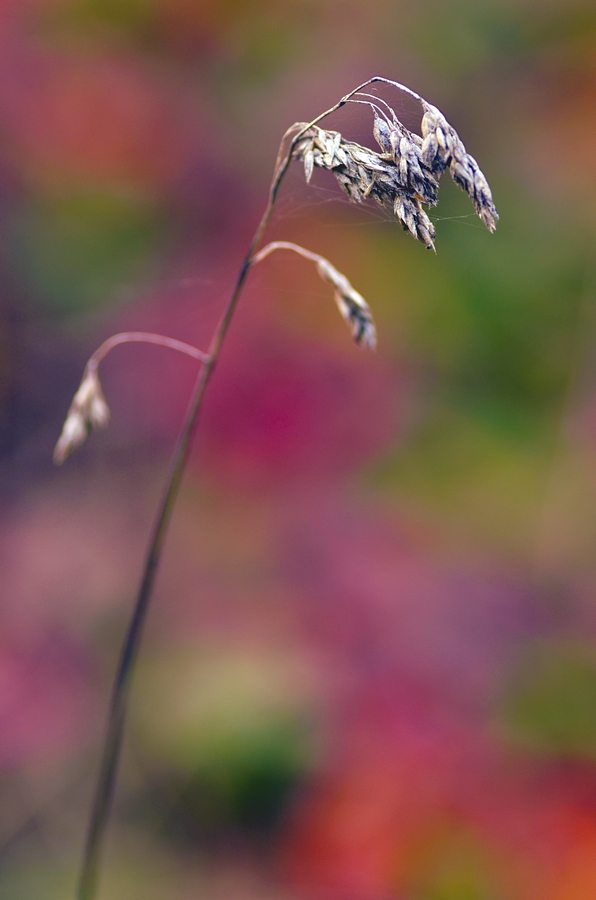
145,337
285,245
353,307
89,408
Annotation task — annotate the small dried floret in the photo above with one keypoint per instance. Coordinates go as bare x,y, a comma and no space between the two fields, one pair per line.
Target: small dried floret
414,219
382,133
87,410
443,148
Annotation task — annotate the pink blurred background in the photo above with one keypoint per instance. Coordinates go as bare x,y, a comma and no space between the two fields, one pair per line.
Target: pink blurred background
369,671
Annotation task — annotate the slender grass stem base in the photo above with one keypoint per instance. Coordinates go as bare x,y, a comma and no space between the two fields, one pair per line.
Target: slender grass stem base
87,887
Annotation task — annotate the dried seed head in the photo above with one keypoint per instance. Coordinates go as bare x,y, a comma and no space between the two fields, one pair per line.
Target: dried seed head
407,171
362,173
87,410
442,148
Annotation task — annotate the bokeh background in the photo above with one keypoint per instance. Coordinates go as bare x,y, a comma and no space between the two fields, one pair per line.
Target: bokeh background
369,672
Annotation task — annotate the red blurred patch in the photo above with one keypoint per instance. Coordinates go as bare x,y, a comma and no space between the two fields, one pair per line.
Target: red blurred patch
191,26
44,701
562,108
99,118
282,407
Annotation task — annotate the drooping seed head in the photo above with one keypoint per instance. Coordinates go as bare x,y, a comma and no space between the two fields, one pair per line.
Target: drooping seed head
414,219
443,148
407,171
352,305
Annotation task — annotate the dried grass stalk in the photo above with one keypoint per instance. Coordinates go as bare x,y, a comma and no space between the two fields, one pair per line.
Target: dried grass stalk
403,176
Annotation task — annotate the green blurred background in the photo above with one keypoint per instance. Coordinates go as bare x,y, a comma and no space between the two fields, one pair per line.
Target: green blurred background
370,668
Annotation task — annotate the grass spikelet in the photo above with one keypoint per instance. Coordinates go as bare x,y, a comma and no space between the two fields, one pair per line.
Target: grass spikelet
443,148
353,307
88,410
